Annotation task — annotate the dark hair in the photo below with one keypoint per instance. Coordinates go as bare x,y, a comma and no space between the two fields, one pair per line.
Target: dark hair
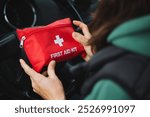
111,13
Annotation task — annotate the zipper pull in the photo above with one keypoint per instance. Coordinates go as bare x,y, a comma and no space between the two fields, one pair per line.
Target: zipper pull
22,41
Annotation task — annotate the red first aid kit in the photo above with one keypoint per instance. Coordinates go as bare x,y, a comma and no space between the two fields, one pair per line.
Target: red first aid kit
51,42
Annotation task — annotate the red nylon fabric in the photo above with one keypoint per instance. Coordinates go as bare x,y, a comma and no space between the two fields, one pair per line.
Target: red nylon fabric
51,42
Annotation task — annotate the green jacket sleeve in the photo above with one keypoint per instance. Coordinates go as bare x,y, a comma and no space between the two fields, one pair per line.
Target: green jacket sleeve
107,90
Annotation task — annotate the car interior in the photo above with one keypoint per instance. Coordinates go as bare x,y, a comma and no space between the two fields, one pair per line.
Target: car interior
19,14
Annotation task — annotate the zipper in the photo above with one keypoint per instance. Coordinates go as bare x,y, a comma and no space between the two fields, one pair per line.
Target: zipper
23,38
45,29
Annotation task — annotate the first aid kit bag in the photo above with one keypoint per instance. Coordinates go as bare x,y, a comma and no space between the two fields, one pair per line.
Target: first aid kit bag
51,42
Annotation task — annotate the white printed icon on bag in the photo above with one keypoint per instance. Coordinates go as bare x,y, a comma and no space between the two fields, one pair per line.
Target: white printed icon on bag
59,41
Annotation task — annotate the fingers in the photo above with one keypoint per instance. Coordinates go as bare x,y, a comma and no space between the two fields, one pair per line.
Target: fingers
51,69
79,38
33,74
84,28
27,69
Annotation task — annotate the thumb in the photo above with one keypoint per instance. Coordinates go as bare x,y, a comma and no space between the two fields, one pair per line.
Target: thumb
51,69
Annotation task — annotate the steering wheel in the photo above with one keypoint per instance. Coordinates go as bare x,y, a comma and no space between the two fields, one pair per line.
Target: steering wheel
14,82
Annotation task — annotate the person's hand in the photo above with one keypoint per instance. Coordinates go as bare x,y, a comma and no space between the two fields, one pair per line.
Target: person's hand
47,87
83,39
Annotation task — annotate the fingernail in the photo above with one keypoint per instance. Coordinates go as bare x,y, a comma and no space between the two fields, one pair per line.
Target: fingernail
53,61
74,21
20,60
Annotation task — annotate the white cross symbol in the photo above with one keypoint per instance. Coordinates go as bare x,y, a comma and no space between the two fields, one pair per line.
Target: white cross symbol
59,41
